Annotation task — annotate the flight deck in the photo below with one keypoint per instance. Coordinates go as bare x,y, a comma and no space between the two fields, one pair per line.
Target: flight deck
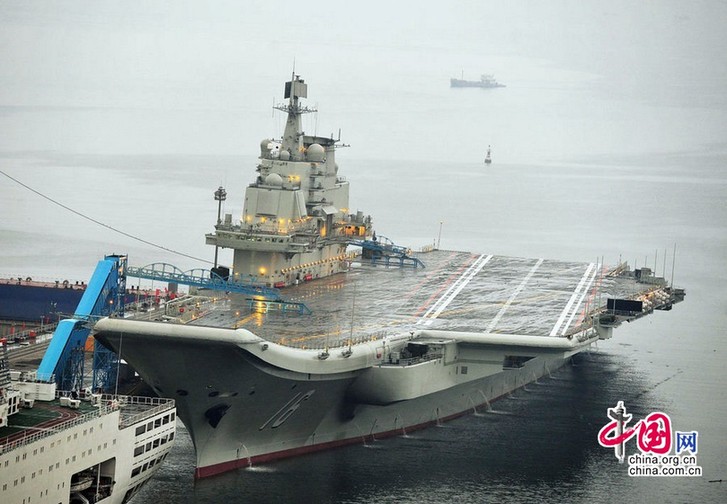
456,291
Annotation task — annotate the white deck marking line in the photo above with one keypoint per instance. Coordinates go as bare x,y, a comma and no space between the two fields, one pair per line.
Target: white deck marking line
454,285
578,304
572,299
454,289
512,297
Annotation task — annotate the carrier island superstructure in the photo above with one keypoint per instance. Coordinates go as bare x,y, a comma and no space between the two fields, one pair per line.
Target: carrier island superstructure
384,350
295,222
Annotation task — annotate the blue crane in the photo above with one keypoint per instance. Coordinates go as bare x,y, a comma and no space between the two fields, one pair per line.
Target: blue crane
64,358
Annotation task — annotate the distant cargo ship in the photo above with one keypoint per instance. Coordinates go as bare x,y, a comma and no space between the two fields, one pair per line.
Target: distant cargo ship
486,81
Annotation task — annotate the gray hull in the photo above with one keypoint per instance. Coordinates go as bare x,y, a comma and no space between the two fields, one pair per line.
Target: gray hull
240,409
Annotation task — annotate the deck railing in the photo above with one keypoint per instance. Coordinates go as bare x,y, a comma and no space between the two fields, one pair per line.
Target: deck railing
107,404
321,342
151,405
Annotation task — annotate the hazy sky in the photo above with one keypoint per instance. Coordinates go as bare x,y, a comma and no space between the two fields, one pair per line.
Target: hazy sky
90,43
209,71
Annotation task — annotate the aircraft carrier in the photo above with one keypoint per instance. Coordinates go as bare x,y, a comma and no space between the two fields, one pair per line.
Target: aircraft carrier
367,339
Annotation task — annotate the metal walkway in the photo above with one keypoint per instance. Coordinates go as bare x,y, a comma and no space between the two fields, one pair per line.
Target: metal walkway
204,278
199,277
385,252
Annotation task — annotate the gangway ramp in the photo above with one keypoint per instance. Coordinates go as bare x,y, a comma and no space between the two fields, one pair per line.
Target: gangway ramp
103,296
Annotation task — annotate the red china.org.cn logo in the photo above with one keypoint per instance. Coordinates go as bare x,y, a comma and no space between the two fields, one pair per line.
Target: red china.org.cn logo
655,439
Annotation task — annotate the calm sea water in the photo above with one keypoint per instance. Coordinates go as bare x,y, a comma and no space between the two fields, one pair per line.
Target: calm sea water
537,445
596,154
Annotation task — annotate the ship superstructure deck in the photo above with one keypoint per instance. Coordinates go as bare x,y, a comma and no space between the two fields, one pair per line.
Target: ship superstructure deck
74,450
48,418
457,291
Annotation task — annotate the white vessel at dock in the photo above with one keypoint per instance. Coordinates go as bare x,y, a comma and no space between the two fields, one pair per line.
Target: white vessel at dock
77,448
385,350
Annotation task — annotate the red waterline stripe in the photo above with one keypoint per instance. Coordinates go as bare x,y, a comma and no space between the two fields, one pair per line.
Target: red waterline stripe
212,470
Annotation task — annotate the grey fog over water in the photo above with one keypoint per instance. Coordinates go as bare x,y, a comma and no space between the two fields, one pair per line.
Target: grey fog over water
609,140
